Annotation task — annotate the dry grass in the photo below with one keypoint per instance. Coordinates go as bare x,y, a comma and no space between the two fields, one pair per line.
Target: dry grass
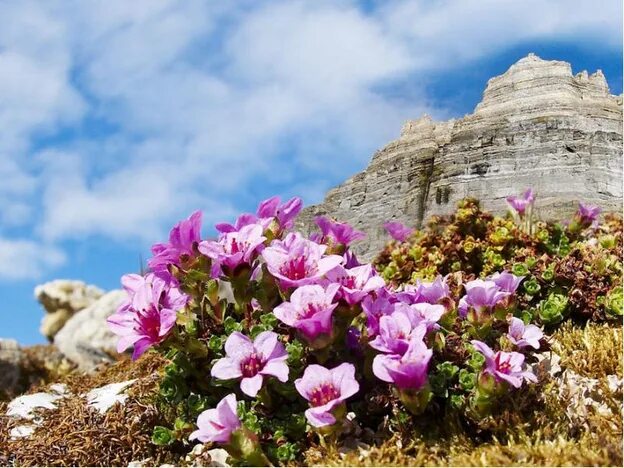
75,435
591,351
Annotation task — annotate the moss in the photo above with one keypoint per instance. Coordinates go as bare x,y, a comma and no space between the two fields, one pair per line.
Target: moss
76,435
592,350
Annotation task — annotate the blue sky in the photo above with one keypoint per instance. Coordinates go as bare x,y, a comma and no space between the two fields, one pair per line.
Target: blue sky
119,118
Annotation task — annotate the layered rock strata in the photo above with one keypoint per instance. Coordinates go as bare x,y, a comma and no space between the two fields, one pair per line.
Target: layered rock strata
538,125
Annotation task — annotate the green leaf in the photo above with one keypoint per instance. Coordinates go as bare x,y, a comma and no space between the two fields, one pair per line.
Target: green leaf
162,436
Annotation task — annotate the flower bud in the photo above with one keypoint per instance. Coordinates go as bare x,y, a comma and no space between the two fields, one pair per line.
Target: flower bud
244,446
486,383
415,400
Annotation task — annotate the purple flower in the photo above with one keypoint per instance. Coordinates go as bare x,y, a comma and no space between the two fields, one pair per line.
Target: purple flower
340,233
375,308
422,313
252,361
408,371
182,239
431,293
350,260
243,220
218,424
507,282
520,204
523,336
148,315
504,366
355,283
588,213
309,310
395,333
398,231
296,261
481,296
285,213
235,248
326,389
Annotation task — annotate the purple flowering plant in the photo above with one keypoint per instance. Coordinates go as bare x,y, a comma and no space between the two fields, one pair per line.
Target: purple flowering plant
268,331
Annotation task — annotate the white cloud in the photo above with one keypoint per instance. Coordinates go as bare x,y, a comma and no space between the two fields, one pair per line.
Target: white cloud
23,259
174,105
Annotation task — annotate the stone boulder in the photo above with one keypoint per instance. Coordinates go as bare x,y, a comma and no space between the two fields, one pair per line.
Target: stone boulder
61,299
85,339
11,357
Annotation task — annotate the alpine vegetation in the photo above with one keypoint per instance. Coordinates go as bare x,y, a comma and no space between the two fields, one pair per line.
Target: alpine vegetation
276,341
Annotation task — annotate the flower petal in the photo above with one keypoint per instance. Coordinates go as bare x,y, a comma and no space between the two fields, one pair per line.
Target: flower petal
226,368
251,385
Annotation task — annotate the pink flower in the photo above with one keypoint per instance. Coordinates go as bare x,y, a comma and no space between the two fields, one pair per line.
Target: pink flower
326,389
340,233
395,333
355,283
507,282
235,248
481,296
252,361
296,261
523,336
504,366
588,213
375,308
422,313
218,424
309,310
520,204
182,239
407,371
147,317
431,293
285,213
243,220
398,231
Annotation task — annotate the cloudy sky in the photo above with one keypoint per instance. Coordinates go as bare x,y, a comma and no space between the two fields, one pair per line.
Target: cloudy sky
118,118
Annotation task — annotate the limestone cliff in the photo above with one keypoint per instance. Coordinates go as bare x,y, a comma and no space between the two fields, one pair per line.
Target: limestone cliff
537,126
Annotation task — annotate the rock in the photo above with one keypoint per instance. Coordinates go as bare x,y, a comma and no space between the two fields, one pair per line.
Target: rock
537,126
26,406
85,339
102,398
583,396
61,299
11,359
52,323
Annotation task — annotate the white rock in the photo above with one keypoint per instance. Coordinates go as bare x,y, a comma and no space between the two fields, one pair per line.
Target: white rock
86,339
24,406
615,383
103,398
20,432
218,457
61,299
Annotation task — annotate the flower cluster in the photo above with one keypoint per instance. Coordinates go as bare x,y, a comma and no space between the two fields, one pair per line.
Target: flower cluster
268,331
